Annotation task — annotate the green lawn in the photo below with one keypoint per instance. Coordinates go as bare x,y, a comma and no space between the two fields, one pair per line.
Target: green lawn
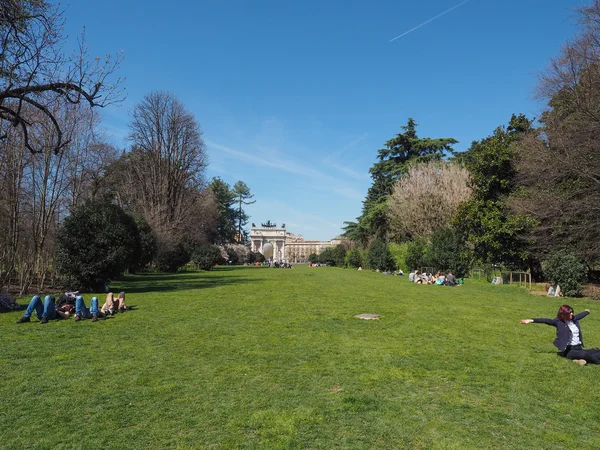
273,358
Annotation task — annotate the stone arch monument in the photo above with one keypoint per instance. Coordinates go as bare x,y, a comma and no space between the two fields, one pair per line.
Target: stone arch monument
269,233
286,246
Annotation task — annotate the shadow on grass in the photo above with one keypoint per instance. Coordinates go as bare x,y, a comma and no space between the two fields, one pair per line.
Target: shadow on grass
164,282
18,307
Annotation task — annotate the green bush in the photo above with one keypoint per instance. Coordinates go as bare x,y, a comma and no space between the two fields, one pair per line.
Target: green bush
206,257
170,258
327,257
255,257
354,258
380,257
313,258
339,253
567,271
334,256
148,246
415,254
399,252
95,245
448,251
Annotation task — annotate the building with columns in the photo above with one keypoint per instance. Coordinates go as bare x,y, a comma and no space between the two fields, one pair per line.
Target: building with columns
275,242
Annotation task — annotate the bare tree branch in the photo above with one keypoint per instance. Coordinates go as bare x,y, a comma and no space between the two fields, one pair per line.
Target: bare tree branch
32,66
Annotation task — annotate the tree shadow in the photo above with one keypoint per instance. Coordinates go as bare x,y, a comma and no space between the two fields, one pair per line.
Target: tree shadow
163,282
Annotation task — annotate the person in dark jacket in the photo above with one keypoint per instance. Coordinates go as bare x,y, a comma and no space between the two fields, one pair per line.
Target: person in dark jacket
569,340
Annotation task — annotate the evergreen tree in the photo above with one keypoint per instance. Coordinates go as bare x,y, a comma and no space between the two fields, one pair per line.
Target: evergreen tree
225,199
96,244
495,234
393,161
242,196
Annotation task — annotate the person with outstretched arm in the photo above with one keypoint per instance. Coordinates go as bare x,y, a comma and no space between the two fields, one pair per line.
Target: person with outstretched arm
569,339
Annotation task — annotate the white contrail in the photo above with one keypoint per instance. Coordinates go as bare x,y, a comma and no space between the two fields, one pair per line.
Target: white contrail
430,20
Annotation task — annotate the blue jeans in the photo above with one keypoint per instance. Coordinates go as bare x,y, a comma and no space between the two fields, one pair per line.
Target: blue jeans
45,309
80,307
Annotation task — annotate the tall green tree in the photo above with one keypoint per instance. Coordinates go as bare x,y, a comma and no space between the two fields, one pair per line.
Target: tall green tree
448,251
393,161
356,232
226,222
380,257
242,197
495,234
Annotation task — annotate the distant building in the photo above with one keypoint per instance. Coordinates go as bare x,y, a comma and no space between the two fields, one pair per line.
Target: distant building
276,242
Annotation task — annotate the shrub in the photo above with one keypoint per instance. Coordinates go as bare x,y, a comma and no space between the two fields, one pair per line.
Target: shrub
415,254
379,256
567,271
148,245
237,253
339,255
171,257
354,258
448,251
327,257
334,256
313,258
207,256
398,252
96,244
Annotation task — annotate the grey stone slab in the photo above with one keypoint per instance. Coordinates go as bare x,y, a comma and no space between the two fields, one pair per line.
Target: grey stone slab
366,316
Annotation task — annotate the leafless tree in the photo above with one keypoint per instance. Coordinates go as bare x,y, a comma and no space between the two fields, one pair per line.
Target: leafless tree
559,168
35,74
168,160
426,198
39,188
87,154
13,159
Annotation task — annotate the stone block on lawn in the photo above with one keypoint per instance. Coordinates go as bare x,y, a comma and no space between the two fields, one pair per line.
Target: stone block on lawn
367,316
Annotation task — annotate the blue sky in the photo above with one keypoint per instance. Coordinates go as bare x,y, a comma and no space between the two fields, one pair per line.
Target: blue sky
295,98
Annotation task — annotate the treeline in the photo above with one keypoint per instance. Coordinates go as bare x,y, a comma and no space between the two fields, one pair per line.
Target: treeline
90,212
526,197
73,209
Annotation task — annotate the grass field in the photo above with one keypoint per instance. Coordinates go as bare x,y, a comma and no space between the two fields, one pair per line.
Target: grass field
273,358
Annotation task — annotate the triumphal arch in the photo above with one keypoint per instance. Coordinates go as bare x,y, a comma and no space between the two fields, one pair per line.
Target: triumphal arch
268,237
276,243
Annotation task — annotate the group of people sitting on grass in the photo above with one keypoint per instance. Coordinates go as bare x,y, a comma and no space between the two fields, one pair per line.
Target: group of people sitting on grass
429,278
71,303
280,265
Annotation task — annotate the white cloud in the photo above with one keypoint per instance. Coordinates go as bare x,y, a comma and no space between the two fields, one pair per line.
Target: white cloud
265,158
350,193
351,173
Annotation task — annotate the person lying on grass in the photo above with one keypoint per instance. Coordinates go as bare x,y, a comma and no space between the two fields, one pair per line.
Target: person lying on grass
82,311
568,335
111,304
48,309
44,310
